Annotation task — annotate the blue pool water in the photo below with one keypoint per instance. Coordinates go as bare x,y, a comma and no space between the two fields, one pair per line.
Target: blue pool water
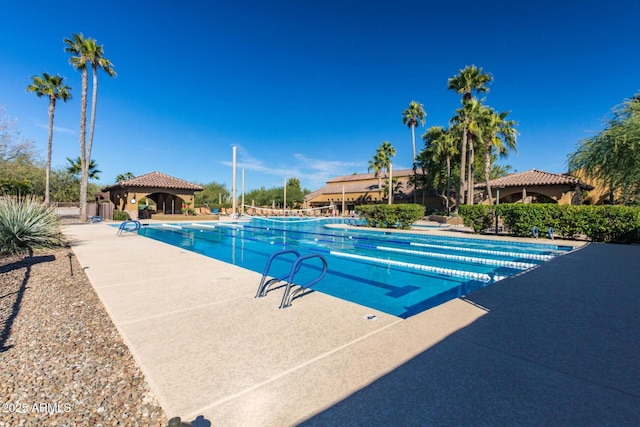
400,274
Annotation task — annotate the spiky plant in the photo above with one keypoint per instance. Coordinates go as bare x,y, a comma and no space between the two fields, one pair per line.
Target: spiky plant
27,224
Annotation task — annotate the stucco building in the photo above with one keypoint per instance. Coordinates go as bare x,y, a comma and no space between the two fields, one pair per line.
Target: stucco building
346,192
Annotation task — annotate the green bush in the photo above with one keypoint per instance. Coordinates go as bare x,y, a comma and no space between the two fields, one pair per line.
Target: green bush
611,223
571,222
596,223
520,218
478,217
120,216
26,224
391,216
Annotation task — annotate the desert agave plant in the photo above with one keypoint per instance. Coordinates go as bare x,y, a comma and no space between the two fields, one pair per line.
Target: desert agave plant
27,224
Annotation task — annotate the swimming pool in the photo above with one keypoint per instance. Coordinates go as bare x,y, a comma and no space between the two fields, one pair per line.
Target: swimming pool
397,273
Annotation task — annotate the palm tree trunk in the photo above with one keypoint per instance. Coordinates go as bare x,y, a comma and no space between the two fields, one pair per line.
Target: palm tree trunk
423,180
413,141
413,145
487,169
94,102
448,183
84,163
47,172
463,169
470,177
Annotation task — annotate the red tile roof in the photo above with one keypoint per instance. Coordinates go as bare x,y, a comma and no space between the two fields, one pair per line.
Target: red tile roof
535,177
158,180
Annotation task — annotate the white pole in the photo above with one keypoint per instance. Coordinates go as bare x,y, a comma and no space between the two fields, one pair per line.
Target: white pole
343,202
284,207
234,202
242,207
390,183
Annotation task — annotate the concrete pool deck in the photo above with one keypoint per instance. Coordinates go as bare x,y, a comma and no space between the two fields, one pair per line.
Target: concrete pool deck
557,345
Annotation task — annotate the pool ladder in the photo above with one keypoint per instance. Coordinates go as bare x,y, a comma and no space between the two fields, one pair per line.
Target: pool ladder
128,226
289,294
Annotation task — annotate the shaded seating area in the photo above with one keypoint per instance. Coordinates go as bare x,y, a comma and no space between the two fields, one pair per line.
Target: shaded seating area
151,194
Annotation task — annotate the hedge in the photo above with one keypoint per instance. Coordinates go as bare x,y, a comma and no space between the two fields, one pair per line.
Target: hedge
120,215
478,217
391,216
603,223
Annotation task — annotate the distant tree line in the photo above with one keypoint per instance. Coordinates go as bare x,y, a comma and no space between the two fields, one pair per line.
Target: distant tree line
275,196
23,172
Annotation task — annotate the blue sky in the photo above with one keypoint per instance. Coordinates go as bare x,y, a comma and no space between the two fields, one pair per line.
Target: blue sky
310,89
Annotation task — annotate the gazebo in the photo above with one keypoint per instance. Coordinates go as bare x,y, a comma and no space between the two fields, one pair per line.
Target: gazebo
169,194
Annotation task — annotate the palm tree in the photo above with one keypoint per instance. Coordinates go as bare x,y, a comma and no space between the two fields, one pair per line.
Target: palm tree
124,176
467,119
396,187
469,79
381,161
497,128
84,52
77,46
375,165
52,87
386,151
412,117
75,168
95,54
442,144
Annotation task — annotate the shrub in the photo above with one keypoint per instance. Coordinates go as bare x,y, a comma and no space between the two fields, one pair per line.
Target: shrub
611,223
26,224
520,218
388,216
597,223
120,216
570,222
478,217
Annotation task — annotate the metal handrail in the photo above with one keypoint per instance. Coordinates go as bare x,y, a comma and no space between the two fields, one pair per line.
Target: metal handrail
264,284
288,294
125,226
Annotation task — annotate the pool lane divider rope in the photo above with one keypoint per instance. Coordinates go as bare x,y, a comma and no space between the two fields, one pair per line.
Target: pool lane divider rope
474,260
483,277
540,257
172,226
286,221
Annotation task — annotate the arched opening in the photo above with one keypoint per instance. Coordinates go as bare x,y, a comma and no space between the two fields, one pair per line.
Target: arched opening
166,203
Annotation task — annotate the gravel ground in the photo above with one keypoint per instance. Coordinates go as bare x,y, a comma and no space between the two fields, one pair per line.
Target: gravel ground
62,361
